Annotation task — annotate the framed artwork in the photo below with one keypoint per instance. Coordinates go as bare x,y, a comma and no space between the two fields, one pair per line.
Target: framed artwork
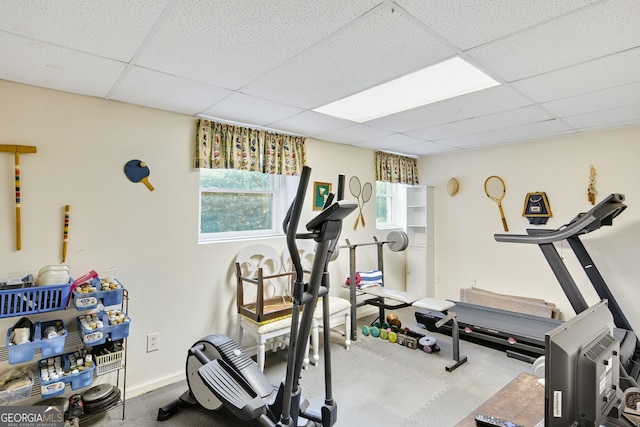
536,208
321,191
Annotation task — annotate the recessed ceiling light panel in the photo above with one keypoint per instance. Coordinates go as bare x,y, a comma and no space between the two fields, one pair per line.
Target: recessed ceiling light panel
444,80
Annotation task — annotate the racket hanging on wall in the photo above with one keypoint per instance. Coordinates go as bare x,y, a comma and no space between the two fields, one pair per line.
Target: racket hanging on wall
495,189
362,195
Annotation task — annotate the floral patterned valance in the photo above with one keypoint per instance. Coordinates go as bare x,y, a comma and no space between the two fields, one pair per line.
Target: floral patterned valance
396,168
226,146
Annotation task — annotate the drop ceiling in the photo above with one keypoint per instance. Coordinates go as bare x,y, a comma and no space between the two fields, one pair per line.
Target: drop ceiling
565,67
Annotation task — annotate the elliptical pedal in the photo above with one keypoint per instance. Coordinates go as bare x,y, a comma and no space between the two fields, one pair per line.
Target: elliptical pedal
231,352
232,389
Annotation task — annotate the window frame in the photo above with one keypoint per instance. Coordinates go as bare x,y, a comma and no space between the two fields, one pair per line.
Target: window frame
282,189
398,206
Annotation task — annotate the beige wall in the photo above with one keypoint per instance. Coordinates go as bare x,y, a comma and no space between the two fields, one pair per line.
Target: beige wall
465,223
148,240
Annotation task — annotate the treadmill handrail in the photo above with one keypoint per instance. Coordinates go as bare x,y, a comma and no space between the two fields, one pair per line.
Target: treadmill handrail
601,214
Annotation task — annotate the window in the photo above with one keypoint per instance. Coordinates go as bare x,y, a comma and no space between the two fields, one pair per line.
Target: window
236,204
391,205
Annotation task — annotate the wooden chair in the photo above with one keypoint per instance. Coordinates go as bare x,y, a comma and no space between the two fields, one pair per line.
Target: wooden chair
266,315
259,267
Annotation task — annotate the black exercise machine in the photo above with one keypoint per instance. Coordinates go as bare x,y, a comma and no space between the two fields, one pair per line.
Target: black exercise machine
600,215
220,374
522,335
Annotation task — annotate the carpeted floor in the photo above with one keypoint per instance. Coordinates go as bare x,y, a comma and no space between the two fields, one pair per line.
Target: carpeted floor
376,383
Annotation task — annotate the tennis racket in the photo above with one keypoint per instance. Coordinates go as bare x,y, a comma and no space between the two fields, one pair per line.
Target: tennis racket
367,191
495,189
356,189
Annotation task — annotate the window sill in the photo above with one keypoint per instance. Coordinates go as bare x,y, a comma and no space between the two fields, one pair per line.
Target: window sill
239,239
388,227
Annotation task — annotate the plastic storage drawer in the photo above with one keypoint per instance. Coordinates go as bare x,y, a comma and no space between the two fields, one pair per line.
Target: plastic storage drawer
11,395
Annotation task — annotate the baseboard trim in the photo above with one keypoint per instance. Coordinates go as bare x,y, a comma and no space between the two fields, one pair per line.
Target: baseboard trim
153,385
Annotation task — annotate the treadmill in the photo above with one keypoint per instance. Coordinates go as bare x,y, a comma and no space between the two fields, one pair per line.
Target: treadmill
600,215
521,335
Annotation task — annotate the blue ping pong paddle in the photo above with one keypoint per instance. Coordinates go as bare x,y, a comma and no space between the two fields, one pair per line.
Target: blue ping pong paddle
138,171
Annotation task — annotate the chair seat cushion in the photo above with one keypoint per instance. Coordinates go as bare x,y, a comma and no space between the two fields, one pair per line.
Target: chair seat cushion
266,327
335,305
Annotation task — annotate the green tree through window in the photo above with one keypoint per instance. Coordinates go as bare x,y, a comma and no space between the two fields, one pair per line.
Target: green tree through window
237,203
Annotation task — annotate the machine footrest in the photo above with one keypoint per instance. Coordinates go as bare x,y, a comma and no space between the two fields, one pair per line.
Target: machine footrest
224,383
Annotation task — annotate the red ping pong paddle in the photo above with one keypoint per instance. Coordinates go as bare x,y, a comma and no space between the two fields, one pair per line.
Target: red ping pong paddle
138,171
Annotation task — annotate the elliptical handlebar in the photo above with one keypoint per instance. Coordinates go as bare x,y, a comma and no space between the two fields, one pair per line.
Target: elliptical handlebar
292,219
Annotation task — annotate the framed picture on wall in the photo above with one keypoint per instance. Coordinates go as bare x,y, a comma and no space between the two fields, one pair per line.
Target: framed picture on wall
536,208
321,191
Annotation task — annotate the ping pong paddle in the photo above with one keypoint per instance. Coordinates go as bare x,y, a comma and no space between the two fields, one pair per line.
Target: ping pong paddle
138,171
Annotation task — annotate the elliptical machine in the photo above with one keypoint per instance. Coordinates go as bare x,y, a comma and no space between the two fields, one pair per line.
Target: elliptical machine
221,374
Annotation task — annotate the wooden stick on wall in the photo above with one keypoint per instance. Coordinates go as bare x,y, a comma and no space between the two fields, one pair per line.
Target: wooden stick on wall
17,149
65,234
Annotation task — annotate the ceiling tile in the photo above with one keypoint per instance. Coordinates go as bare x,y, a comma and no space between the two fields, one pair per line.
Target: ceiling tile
517,117
354,134
389,142
157,90
610,71
605,99
424,148
519,133
310,123
497,98
473,23
243,108
576,38
379,47
113,29
229,43
605,126
611,117
39,64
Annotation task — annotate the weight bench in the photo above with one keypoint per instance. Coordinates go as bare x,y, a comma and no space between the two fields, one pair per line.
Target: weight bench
402,299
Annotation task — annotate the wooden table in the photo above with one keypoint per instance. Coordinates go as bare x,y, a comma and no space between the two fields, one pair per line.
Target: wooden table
520,401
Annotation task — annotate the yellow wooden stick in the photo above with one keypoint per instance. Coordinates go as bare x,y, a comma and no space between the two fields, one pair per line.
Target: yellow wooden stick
65,234
17,149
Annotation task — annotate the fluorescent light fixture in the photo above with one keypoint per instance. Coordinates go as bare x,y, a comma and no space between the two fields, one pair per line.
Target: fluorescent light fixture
444,80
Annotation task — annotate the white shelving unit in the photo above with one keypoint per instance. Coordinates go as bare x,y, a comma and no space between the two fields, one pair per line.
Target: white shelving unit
420,259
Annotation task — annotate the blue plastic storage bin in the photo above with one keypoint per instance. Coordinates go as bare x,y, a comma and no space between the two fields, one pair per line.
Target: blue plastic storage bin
88,301
97,336
48,346
36,299
55,387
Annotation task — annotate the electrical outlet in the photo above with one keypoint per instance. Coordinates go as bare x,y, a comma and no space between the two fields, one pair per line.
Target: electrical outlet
153,342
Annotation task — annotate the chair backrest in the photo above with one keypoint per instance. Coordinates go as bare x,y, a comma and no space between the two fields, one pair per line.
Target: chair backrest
254,257
306,251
